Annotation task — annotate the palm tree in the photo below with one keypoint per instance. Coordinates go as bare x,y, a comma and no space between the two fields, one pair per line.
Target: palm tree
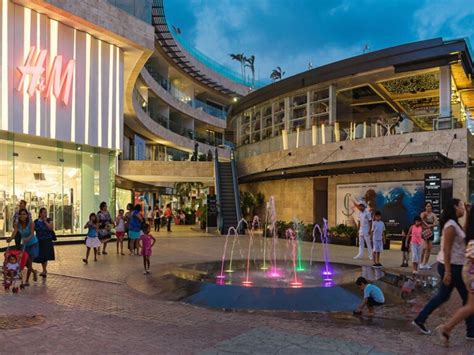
240,57
277,74
251,64
184,189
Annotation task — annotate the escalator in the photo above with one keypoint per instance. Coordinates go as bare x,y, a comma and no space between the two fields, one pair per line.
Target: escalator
227,194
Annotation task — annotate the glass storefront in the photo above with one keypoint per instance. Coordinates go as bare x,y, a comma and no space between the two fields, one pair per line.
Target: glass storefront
123,198
69,180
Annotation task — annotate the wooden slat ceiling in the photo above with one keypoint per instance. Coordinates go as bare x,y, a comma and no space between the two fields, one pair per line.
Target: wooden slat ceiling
465,86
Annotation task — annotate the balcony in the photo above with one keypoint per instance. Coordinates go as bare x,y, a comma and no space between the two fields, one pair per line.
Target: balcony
179,95
173,133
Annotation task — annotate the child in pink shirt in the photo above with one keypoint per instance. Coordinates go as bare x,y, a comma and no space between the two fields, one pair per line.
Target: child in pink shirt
146,242
415,238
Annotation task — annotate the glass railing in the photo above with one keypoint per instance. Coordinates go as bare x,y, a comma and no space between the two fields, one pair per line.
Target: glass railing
217,67
172,125
138,8
213,111
183,97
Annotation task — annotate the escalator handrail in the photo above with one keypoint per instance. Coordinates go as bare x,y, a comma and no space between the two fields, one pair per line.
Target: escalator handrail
238,212
218,191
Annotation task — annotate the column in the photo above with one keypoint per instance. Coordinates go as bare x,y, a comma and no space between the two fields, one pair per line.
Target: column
445,92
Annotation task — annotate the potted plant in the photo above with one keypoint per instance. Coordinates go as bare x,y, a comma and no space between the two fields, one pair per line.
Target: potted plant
343,234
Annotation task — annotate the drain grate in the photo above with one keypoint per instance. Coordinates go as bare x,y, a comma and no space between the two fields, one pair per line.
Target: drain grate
18,322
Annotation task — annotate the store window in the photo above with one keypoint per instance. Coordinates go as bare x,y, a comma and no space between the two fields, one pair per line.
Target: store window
70,182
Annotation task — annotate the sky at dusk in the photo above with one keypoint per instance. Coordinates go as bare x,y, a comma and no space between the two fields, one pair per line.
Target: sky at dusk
293,33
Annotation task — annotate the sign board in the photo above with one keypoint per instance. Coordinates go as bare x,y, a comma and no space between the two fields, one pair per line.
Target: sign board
433,191
211,211
398,201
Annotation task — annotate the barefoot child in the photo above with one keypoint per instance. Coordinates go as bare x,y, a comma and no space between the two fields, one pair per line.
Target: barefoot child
373,296
120,230
92,240
146,242
378,236
415,236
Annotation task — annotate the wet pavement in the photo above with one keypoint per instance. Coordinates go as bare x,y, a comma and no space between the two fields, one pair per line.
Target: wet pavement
111,307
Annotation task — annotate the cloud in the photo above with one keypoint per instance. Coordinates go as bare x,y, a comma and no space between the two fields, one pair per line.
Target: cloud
342,7
436,17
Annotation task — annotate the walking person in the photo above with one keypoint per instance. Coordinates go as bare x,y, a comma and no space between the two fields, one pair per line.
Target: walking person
168,216
120,230
405,248
134,228
430,221
146,242
444,330
415,240
149,216
364,225
45,233
25,229
92,240
105,226
451,258
157,215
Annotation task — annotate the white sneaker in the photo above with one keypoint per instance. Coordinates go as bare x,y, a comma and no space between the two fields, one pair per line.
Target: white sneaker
357,257
421,267
145,272
427,267
371,258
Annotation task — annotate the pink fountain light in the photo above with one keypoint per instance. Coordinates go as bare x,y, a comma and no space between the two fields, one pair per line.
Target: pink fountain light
292,236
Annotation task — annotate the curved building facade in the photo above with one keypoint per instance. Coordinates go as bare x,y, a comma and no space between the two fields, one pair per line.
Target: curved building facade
179,115
369,128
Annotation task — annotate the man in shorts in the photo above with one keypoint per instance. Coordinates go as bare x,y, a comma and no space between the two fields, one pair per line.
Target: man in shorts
378,231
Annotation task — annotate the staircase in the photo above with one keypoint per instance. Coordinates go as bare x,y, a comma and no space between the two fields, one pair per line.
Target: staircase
227,194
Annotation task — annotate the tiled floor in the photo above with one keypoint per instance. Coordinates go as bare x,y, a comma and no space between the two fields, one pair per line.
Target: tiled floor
93,309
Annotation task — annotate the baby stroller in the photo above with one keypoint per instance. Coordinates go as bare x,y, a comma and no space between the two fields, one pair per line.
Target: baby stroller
13,277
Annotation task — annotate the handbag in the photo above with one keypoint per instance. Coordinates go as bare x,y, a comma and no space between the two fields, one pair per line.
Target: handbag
426,233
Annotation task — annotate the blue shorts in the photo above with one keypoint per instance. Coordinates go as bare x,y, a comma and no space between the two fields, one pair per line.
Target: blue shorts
33,251
133,235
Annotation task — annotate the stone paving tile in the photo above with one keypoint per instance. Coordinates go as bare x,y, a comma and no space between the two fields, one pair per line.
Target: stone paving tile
90,309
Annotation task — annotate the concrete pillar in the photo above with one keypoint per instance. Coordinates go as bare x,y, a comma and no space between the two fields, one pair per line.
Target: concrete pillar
332,103
445,91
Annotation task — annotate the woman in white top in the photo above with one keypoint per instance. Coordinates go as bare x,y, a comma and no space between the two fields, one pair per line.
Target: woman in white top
468,276
451,260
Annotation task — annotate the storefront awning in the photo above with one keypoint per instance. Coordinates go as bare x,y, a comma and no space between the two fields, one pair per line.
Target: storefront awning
433,160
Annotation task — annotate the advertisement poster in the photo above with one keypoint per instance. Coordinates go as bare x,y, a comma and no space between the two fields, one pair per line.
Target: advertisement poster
398,201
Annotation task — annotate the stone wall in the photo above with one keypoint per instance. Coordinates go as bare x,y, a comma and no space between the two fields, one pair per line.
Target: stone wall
293,197
167,171
423,142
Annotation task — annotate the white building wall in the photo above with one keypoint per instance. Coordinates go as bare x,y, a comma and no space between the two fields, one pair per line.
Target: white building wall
94,113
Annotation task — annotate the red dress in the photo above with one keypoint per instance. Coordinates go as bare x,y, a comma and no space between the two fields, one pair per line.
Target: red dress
147,240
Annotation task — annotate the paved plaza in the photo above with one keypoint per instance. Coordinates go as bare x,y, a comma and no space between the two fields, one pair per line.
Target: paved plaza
111,307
